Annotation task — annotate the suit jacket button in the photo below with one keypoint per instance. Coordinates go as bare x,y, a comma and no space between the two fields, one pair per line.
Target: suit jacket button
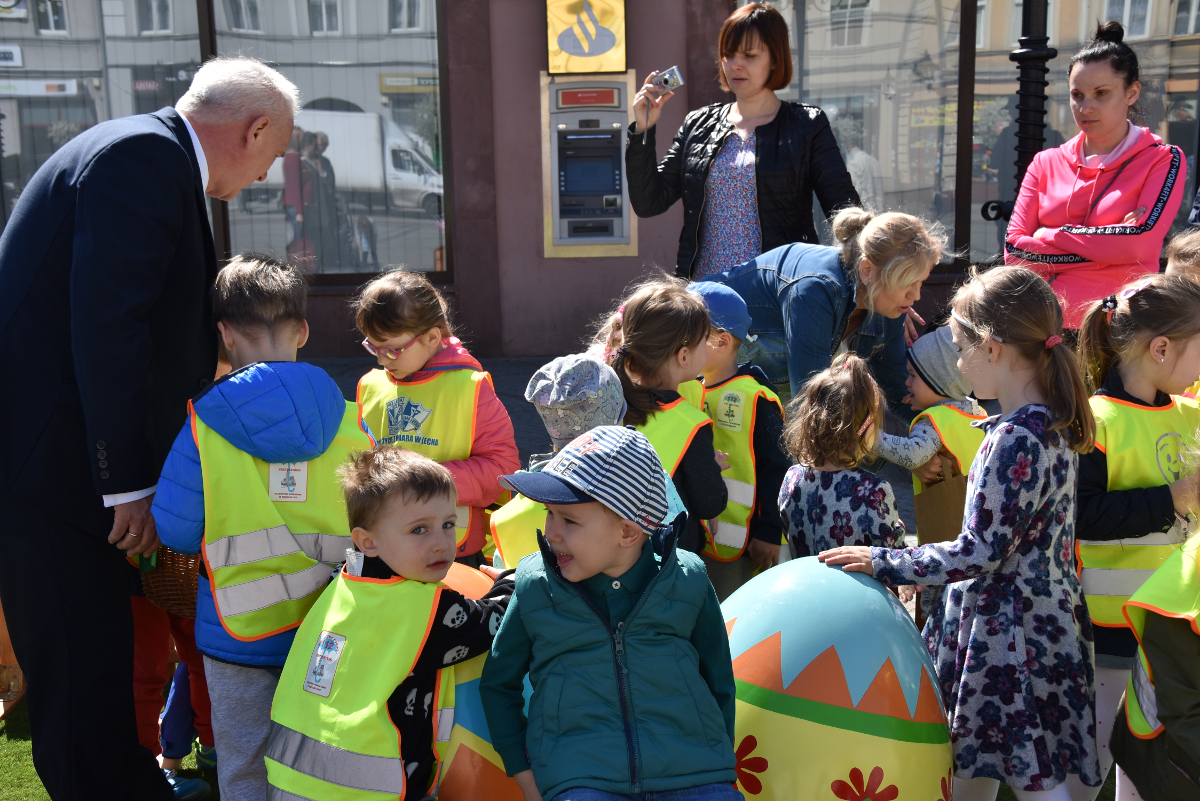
100,445
203,382
101,454
103,463
103,474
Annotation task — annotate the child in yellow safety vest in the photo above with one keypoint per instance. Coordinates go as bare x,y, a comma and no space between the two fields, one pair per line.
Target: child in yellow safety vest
748,426
365,702
251,484
431,396
655,341
1140,349
1183,259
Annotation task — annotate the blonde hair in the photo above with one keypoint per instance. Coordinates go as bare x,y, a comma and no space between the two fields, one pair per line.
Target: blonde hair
1015,306
371,478
824,423
399,302
900,246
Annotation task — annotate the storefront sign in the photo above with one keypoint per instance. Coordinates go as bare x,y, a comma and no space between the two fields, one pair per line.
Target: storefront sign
407,84
586,35
10,56
14,9
147,87
67,88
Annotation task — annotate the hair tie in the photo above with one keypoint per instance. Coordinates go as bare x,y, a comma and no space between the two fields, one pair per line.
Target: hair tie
1052,340
621,351
1109,304
621,312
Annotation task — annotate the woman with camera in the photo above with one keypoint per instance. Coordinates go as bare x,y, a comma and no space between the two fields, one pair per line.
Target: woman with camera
746,170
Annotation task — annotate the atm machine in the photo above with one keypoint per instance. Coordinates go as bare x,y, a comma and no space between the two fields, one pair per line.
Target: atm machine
588,202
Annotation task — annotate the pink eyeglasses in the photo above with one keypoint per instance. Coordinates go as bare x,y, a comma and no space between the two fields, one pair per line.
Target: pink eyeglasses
391,353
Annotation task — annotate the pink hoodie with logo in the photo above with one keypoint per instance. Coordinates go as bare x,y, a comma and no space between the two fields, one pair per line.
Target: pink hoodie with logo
1085,251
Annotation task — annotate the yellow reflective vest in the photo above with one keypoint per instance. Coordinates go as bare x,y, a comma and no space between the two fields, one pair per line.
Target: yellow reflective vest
732,405
956,433
514,528
331,735
434,417
1142,446
272,532
671,430
1173,591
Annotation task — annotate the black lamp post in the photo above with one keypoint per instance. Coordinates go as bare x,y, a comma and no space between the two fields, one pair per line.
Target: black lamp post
1031,56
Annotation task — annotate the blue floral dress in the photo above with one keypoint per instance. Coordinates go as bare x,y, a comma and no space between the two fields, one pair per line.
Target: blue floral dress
1011,637
825,509
730,232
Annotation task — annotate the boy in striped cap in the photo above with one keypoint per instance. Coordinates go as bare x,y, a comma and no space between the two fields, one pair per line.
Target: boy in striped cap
621,635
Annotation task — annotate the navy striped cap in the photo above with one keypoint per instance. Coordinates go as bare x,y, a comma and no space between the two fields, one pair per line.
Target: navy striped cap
613,465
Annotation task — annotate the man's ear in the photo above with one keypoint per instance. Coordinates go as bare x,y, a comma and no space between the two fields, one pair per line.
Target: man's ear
257,129
631,534
364,541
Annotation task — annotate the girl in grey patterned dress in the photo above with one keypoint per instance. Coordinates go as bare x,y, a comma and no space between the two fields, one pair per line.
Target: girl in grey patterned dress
1011,637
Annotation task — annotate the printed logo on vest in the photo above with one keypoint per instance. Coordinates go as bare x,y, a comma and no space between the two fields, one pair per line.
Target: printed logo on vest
1169,463
322,667
288,481
404,420
729,410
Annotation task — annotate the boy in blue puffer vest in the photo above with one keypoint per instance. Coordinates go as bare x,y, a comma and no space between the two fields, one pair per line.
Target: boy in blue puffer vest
251,484
621,635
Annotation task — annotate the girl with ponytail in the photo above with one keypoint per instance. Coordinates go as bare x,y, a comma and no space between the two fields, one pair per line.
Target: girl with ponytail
1140,348
655,341
1010,636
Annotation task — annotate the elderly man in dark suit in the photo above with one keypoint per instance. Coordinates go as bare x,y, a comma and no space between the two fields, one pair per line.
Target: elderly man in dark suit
105,333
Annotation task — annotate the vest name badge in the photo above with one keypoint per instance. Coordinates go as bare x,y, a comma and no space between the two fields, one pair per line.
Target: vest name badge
730,407
288,481
405,417
322,667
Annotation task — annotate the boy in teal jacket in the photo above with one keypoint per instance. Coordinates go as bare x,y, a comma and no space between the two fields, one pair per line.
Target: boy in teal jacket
621,635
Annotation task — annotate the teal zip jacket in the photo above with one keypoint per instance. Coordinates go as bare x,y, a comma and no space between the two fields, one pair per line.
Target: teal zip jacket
633,688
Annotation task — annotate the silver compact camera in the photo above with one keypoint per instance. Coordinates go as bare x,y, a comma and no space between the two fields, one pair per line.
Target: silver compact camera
668,80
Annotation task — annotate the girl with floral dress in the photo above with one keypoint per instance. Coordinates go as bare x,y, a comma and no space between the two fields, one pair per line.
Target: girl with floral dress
827,500
1011,638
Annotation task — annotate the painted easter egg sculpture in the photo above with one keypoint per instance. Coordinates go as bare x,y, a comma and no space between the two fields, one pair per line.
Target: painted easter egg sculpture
836,694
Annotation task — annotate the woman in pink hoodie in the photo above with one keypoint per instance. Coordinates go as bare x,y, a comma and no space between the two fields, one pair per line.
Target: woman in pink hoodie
1092,214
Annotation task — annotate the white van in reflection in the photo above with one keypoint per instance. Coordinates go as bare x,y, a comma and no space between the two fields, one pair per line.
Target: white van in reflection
372,154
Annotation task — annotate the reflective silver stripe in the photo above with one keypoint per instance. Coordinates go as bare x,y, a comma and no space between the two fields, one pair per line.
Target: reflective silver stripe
739,491
251,596
1117,583
275,794
328,548
328,763
253,546
728,534
463,519
1144,690
1172,537
445,724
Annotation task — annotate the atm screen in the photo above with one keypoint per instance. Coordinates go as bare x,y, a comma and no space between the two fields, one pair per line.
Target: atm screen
590,175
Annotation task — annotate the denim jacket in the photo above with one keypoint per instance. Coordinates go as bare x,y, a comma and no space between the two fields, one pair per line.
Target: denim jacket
800,298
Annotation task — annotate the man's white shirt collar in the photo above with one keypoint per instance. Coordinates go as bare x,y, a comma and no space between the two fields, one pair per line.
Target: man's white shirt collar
200,160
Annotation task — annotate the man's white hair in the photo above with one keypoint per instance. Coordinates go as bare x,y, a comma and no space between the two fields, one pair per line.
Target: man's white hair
232,89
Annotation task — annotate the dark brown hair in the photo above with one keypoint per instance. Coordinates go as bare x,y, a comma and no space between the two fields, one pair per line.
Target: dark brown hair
823,424
1108,44
256,293
659,319
401,302
371,478
1016,307
1184,250
768,25
1163,306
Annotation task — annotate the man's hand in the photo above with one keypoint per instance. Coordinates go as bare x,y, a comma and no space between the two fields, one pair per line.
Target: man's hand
763,555
133,528
528,786
929,472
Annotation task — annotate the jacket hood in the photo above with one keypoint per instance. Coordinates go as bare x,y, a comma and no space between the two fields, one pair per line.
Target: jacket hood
275,411
1072,151
453,357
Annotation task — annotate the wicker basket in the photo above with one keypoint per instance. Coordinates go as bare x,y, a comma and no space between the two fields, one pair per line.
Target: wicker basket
172,584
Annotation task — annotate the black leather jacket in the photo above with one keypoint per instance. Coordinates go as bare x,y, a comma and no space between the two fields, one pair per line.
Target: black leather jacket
795,155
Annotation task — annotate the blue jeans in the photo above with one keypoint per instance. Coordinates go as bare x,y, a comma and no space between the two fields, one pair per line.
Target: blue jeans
705,792
800,298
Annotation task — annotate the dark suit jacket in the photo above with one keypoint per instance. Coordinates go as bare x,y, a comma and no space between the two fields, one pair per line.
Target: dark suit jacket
105,321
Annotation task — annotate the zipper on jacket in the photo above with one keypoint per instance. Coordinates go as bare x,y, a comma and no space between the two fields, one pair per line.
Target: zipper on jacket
704,197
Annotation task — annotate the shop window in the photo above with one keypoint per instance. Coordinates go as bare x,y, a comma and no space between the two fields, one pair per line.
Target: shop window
243,15
154,16
1133,14
1185,17
52,16
404,15
952,30
1016,21
324,17
846,22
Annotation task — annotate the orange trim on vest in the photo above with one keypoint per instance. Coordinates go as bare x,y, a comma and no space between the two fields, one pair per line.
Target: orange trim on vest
1140,407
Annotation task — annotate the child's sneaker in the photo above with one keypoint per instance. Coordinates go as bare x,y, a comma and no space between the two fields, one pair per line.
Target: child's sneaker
206,756
187,789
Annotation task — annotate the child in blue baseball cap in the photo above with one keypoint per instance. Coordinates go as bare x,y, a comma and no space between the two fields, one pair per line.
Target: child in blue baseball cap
747,420
616,629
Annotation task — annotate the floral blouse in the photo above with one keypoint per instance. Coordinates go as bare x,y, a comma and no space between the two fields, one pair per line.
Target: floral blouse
1010,637
822,510
730,233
